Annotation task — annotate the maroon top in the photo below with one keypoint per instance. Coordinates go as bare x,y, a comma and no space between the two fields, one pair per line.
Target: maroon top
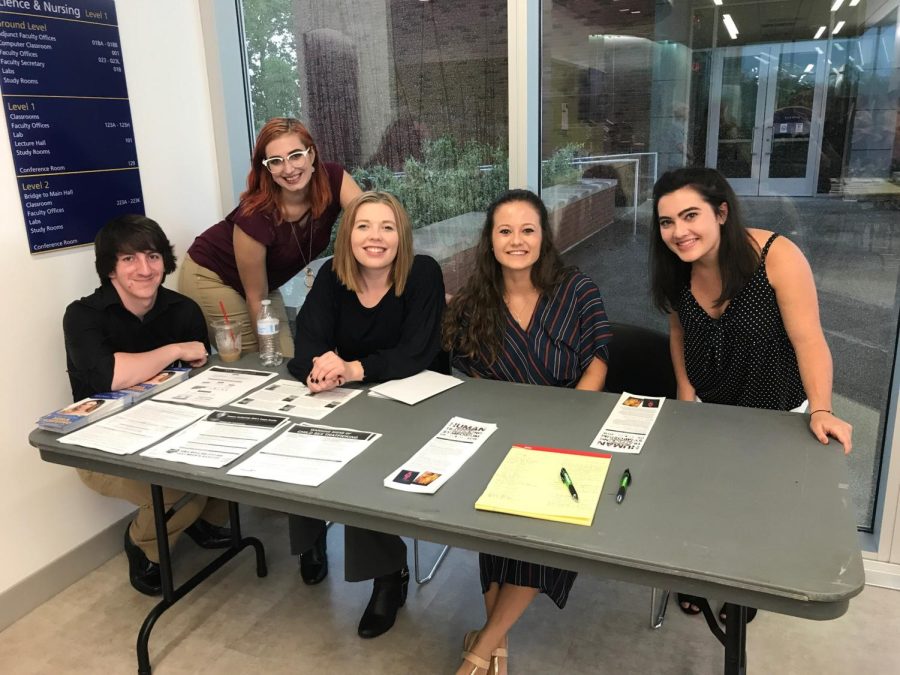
289,246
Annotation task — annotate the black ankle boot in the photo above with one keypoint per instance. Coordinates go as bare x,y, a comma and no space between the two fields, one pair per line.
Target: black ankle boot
142,572
314,562
388,595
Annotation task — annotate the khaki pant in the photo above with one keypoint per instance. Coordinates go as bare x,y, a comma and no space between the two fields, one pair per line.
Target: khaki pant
143,528
207,289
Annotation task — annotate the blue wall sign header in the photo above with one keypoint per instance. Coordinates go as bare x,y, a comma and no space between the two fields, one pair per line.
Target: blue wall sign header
66,107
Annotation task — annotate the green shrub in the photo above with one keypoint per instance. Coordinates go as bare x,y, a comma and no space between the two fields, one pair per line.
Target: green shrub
448,182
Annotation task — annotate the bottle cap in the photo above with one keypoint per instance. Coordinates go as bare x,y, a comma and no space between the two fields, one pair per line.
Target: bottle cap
266,302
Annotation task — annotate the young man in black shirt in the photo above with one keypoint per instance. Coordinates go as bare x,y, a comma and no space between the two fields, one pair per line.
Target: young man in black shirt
124,333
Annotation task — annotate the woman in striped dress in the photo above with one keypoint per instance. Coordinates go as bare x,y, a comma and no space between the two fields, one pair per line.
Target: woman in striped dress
523,317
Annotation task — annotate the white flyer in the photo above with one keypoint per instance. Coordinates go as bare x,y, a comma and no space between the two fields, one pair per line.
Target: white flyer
411,390
135,428
441,457
629,423
218,439
215,387
289,397
306,454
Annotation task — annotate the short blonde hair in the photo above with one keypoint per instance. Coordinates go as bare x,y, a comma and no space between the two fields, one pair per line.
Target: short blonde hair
346,266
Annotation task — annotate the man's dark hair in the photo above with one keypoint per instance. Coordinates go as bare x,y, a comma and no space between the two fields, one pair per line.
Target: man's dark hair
130,233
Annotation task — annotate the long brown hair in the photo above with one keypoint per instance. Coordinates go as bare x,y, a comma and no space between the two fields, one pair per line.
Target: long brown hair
345,265
263,193
738,256
473,324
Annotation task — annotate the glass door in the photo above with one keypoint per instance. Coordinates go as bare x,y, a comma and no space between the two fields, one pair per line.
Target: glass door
792,132
765,117
736,107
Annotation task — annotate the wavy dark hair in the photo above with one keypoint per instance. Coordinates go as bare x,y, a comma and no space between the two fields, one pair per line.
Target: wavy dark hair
738,253
473,323
126,234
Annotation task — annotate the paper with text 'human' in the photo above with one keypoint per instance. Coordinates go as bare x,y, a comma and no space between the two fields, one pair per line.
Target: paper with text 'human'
441,457
527,483
628,425
306,454
411,390
217,439
135,428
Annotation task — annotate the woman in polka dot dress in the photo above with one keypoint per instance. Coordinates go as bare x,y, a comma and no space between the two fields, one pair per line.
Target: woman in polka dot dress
743,314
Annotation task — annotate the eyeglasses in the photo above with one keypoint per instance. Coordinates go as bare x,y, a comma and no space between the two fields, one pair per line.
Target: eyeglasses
295,159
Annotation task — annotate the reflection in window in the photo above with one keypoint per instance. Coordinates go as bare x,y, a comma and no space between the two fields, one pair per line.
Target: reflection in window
410,97
803,125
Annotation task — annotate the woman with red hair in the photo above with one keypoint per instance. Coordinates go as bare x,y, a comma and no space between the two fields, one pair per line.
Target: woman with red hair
283,222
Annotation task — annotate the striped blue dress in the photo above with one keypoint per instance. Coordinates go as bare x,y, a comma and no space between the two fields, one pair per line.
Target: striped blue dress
567,330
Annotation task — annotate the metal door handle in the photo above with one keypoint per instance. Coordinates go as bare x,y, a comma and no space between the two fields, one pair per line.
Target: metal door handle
767,141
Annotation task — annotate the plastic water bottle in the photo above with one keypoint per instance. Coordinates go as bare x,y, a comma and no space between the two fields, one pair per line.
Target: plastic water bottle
267,334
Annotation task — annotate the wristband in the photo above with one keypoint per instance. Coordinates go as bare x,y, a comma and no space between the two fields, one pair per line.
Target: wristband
820,410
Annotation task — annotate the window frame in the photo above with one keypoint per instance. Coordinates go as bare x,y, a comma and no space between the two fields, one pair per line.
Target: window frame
226,64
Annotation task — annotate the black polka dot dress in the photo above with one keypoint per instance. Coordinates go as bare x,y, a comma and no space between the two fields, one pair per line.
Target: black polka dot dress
744,357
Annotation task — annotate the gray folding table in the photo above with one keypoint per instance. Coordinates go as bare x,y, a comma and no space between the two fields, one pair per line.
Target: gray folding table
740,504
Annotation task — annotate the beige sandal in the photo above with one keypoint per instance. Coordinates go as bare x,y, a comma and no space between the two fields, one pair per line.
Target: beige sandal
476,661
493,667
496,655
468,642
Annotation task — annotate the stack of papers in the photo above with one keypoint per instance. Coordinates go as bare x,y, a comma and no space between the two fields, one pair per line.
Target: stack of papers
411,390
218,439
88,410
306,454
441,457
158,383
136,428
216,387
84,412
527,483
289,397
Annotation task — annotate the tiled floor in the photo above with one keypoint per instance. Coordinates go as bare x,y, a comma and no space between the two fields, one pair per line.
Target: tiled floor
239,624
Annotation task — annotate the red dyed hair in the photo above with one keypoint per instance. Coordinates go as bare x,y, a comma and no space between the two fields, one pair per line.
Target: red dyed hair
263,193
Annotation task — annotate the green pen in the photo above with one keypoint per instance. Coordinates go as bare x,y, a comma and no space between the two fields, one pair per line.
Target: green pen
623,486
567,481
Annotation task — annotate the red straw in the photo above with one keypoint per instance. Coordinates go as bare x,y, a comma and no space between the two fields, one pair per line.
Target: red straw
227,321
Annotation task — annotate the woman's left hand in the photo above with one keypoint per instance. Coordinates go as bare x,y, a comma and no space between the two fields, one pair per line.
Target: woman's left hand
330,370
824,424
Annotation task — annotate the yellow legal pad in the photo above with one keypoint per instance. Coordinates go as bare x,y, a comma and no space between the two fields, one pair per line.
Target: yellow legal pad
527,483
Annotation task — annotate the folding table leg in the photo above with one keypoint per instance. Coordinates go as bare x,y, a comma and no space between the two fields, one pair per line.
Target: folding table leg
735,639
658,607
424,580
171,595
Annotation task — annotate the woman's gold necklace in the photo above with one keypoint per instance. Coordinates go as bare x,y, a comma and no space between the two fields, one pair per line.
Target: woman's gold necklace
512,311
310,276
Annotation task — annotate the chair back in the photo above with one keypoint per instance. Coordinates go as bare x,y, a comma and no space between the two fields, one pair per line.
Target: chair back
640,362
441,363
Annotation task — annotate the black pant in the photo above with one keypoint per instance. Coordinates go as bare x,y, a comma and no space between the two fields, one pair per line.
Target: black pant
367,554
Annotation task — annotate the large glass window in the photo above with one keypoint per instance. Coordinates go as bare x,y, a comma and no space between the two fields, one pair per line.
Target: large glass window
410,97
794,102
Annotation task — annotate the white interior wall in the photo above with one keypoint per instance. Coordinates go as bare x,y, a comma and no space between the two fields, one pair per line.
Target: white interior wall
46,510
